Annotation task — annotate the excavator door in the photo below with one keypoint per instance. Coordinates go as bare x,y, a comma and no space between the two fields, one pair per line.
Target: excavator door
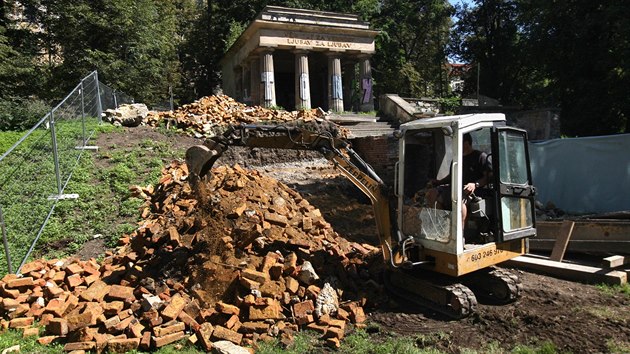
512,175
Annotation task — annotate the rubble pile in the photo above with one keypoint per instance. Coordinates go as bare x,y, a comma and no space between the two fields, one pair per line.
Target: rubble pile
247,260
127,115
210,115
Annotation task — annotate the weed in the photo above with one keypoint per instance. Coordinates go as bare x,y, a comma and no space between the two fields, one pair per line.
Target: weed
618,347
615,289
27,345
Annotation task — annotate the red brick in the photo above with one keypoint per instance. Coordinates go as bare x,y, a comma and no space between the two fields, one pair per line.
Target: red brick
123,345
272,311
176,306
145,341
255,327
113,308
21,322
32,267
96,291
20,282
227,308
162,331
74,268
256,276
135,329
46,340
188,321
74,280
168,339
9,304
303,308
204,334
121,292
222,333
76,321
57,326
45,318
79,346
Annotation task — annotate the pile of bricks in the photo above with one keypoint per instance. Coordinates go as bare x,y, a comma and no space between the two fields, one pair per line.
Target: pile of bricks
208,115
247,259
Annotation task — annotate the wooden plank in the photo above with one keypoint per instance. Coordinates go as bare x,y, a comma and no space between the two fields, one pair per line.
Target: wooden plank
569,271
562,241
615,261
599,230
582,246
590,236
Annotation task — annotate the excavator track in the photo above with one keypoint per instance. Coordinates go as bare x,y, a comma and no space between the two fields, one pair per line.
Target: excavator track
496,285
452,299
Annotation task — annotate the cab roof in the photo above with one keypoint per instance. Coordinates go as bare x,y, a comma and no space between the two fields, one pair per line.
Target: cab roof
459,121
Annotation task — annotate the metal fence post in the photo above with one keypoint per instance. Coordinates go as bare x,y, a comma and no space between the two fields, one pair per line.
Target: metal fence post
51,119
6,244
115,101
84,140
99,108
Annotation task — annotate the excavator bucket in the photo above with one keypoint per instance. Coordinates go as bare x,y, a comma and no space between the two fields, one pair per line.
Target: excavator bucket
200,159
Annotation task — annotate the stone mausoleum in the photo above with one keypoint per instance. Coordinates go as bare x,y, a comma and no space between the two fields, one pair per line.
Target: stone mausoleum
297,58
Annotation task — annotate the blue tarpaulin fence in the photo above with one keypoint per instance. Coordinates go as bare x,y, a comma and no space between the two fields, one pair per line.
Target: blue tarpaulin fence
583,175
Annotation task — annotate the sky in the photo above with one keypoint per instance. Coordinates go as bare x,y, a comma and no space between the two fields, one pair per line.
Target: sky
454,2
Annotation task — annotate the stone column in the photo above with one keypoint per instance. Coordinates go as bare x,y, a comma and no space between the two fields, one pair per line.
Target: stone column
335,87
254,80
348,85
302,82
268,86
367,98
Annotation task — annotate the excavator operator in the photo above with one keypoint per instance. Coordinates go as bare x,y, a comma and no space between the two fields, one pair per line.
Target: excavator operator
476,168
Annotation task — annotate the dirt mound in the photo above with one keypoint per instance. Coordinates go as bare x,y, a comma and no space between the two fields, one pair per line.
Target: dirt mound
248,260
210,115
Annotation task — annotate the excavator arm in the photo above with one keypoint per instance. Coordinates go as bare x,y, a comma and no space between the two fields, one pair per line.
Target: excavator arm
201,158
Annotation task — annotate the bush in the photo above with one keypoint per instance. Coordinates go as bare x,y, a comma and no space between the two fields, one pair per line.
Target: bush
21,113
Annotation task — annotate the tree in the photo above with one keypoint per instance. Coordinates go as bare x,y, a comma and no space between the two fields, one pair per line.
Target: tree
410,53
487,36
583,47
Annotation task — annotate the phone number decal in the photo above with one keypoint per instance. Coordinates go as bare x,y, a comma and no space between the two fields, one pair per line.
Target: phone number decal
481,255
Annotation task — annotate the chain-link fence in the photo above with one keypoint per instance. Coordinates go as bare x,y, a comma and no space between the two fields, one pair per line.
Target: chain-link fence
36,169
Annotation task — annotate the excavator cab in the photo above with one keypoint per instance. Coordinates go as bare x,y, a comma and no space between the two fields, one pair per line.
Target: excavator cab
499,214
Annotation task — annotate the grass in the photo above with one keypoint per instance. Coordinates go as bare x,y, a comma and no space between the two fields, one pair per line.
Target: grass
101,179
615,289
12,337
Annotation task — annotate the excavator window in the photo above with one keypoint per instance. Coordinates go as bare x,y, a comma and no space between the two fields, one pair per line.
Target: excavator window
427,155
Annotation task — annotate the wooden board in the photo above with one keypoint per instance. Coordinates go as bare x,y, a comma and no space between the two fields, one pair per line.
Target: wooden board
590,236
562,241
569,271
615,261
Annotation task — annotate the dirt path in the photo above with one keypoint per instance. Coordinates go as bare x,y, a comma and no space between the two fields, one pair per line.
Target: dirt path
575,317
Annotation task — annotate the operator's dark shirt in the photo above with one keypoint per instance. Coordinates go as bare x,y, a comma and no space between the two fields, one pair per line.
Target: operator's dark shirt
474,166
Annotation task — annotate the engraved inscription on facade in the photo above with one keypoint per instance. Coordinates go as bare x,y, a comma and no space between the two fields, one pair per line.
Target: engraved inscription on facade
316,40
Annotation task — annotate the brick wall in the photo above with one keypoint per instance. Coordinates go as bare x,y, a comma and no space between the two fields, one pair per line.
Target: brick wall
381,152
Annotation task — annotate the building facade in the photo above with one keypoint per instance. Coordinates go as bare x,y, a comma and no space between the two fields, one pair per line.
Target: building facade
302,59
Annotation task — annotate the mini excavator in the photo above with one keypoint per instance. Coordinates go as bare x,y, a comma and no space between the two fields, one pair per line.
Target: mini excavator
435,257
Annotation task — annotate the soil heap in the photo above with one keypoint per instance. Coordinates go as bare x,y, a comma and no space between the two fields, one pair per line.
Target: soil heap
247,260
210,115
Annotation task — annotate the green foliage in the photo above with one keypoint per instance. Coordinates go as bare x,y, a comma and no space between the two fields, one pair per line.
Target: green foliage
410,52
304,342
615,289
27,345
570,54
448,105
21,114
